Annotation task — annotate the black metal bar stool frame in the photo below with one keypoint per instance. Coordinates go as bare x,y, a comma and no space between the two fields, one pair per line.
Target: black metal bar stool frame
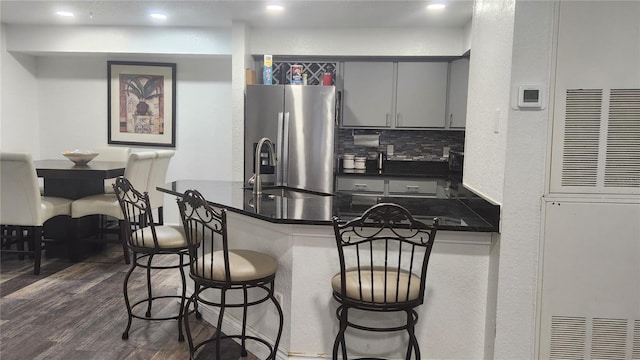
146,241
213,266
383,256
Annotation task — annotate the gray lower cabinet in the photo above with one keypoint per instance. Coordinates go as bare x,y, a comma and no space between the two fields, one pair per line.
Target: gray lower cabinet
399,187
362,185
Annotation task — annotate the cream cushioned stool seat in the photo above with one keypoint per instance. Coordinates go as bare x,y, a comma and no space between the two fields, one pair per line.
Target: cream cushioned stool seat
359,282
169,237
244,265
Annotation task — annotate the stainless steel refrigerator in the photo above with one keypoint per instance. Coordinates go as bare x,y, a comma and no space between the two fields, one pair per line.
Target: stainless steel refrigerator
301,122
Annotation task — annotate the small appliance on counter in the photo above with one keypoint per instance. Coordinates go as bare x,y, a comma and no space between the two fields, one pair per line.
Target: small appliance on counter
456,161
348,161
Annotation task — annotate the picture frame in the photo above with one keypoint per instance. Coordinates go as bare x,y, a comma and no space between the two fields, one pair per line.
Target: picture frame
141,103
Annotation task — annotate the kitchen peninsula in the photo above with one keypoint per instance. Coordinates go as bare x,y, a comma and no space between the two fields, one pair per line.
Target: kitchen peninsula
294,227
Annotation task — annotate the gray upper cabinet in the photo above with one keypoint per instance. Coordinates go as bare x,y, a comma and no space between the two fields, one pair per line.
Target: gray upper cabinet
458,89
368,94
395,94
421,99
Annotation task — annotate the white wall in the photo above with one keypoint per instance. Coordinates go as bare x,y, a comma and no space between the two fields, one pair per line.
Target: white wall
488,99
359,42
525,173
19,130
41,39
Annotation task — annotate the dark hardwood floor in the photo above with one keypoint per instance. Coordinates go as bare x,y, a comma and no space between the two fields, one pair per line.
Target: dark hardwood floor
76,311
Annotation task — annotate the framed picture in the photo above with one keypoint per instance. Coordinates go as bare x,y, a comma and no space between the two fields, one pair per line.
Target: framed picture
142,103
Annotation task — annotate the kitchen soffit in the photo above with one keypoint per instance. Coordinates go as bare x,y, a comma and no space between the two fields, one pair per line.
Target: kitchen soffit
220,13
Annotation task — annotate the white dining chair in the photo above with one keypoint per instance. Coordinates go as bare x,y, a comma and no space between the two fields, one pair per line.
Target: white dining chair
23,208
157,177
137,172
111,153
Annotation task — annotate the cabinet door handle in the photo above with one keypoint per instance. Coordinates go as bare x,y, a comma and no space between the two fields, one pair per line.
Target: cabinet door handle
387,121
398,120
360,187
451,120
413,188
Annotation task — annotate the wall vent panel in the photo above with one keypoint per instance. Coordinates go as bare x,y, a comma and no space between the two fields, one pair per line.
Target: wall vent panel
581,137
568,336
623,139
635,353
608,339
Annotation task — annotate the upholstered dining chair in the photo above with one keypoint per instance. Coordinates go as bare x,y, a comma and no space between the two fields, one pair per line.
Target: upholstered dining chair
148,241
157,177
213,265
23,209
111,153
383,257
137,172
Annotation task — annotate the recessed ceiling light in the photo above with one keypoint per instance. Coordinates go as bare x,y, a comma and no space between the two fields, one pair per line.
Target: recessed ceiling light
435,7
159,16
275,8
65,13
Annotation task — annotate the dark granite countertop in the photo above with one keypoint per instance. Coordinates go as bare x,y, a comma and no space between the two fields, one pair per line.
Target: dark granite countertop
462,211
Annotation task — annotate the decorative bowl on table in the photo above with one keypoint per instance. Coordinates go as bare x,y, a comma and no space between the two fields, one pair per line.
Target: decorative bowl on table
80,157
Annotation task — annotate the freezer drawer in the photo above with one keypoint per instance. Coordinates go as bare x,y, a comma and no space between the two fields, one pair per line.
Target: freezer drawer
361,185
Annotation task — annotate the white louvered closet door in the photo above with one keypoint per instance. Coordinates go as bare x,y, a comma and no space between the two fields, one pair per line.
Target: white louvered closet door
596,146
589,305
596,117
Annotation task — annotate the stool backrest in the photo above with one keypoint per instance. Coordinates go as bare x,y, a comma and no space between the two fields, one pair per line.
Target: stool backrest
385,242
19,191
138,218
138,168
157,177
206,231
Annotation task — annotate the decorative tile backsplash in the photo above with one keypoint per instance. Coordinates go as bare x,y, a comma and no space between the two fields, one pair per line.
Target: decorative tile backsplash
425,144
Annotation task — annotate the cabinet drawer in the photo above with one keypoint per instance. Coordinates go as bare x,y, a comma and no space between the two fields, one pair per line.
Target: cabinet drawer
362,185
417,187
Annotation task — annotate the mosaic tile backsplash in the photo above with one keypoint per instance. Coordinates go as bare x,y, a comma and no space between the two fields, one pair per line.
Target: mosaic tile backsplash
414,144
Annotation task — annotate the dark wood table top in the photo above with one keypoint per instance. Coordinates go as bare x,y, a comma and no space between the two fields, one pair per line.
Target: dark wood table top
65,169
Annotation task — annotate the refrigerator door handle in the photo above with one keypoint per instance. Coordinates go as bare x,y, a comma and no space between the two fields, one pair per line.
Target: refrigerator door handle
285,150
279,141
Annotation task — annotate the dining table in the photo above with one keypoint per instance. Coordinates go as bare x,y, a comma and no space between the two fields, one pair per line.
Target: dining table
63,178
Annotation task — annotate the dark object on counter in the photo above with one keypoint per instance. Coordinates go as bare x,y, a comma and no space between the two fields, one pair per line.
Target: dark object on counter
392,280
380,160
456,161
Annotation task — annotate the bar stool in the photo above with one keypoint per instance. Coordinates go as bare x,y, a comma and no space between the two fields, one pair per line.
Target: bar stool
383,256
146,241
225,270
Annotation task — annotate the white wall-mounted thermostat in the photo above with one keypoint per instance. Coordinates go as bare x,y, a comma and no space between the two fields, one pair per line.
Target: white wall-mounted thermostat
530,96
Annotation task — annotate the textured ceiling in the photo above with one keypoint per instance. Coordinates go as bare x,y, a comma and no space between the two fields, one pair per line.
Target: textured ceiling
212,13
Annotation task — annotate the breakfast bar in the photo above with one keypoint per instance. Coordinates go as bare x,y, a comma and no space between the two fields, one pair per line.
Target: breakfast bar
293,226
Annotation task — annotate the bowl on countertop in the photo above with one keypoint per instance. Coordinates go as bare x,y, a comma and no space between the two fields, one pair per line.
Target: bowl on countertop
80,157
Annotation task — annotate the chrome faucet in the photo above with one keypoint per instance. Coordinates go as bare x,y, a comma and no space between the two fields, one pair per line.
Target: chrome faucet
257,162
